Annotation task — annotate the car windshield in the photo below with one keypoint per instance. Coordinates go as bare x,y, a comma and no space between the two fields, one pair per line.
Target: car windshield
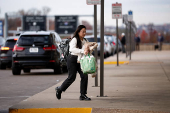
34,39
10,43
92,39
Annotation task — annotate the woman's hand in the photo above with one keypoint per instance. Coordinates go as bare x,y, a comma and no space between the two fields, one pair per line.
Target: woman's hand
85,52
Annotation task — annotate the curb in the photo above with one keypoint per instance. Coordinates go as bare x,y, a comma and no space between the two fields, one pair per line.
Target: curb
51,110
114,62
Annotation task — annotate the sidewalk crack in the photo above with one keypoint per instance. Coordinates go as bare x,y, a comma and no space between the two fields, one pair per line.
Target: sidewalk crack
165,72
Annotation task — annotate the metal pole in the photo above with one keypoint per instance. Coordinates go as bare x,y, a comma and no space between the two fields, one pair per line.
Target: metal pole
130,41
6,25
47,23
117,42
126,41
95,39
102,50
22,23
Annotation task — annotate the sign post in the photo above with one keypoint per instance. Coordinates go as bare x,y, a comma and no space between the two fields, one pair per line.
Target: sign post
66,24
130,19
6,25
1,28
125,21
95,3
102,50
117,14
95,39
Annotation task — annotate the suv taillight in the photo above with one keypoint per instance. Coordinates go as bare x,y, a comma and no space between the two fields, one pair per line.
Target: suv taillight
53,47
5,48
16,48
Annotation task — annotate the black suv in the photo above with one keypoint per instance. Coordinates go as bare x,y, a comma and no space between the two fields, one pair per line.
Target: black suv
6,52
36,50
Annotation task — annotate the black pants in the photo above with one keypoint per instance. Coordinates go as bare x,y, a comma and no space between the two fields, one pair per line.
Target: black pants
137,46
160,46
73,68
123,48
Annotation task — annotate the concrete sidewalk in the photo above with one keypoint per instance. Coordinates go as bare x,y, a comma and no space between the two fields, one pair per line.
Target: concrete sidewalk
142,86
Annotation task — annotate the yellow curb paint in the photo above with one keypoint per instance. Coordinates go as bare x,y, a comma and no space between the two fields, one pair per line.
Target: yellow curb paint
52,110
120,62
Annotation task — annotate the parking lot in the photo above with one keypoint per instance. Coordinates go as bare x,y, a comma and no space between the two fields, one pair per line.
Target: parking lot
14,89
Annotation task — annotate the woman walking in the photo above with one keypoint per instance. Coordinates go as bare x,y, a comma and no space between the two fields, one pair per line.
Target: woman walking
73,67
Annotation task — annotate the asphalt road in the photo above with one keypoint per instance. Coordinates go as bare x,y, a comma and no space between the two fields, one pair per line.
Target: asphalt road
15,88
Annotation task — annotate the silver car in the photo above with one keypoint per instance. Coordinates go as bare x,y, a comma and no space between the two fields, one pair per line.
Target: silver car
2,41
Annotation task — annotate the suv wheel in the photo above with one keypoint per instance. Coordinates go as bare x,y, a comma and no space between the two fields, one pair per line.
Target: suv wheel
26,70
2,66
16,71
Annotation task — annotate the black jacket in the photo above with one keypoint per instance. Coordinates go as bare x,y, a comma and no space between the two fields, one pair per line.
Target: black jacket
123,40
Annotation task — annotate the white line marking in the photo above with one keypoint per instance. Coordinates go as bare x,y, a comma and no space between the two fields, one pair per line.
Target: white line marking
16,97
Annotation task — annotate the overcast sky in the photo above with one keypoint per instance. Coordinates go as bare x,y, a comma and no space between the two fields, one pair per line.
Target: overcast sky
144,11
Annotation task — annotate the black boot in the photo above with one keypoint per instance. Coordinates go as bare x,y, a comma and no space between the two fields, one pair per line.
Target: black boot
84,97
58,93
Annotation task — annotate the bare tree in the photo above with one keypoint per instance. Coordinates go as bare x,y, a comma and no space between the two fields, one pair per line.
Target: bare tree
33,11
21,12
45,10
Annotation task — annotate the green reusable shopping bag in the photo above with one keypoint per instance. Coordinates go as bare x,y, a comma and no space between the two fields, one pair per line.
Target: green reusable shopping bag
88,64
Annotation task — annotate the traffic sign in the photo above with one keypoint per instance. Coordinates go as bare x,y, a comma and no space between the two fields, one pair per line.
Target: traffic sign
66,24
130,16
93,2
116,10
34,23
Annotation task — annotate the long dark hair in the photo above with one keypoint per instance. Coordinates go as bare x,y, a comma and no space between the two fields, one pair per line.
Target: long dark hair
76,35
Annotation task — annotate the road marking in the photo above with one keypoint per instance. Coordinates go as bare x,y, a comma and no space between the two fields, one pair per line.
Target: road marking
114,62
52,110
16,97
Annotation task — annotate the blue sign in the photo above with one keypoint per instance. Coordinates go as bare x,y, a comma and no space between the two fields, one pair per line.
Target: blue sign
130,13
1,28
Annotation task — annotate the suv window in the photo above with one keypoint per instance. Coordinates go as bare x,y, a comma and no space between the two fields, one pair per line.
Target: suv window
10,43
26,40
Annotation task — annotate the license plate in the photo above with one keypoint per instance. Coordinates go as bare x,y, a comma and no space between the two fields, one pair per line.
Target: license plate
33,50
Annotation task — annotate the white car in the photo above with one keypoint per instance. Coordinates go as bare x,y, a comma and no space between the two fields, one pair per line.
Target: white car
114,41
109,46
57,38
2,41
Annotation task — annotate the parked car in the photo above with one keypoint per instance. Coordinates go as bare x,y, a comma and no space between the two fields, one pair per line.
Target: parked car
57,38
2,41
6,52
109,46
36,50
114,42
62,59
90,38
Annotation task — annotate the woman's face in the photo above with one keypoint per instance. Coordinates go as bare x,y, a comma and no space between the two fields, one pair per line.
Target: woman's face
82,33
